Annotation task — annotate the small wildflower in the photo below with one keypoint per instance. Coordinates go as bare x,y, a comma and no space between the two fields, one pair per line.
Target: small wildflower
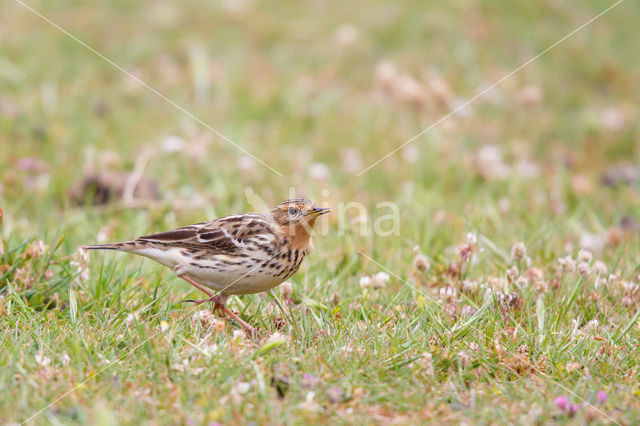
573,409
65,359
567,263
522,282
467,311
346,35
504,205
131,318
535,274
421,263
309,380
206,317
518,251
630,287
319,171
286,290
81,255
219,325
469,286
512,272
530,95
464,252
380,280
472,238
427,363
562,402
172,144
447,293
599,268
497,283
601,396
309,405
335,394
243,387
335,299
626,301
164,326
36,249
583,268
490,164
351,160
584,256
591,326
42,360
365,282
246,163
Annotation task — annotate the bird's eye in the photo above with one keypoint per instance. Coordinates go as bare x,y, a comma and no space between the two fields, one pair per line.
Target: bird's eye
293,211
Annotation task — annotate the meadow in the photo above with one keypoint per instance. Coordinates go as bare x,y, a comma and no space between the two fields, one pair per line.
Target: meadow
505,292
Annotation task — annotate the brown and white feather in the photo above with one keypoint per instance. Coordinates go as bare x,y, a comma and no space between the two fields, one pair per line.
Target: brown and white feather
237,254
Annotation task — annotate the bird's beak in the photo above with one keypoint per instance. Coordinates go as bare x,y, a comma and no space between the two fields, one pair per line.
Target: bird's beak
318,211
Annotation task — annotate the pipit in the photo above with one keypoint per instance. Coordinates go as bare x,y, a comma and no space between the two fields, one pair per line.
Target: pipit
239,254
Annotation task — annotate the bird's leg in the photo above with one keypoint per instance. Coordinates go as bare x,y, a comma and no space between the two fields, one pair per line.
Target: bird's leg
220,306
199,287
218,303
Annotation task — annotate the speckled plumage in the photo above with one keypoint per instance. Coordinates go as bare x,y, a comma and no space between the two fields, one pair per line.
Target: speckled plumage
239,254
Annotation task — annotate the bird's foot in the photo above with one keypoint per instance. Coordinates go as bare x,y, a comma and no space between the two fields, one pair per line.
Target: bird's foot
253,332
219,306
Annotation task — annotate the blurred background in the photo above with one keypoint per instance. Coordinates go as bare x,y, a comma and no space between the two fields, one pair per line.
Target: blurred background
318,91
314,93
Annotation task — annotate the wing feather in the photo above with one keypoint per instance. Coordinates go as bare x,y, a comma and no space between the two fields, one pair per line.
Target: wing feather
225,235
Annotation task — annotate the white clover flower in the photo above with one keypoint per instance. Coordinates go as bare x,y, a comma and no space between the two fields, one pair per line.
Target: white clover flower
599,268
365,282
319,171
421,263
583,269
584,256
522,282
513,272
243,387
65,359
380,279
472,238
448,293
469,286
286,290
518,251
567,263
42,360
81,255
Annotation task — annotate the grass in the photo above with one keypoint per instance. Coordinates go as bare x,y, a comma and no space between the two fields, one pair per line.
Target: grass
304,87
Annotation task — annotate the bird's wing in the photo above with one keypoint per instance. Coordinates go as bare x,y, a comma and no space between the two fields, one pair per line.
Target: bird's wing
225,235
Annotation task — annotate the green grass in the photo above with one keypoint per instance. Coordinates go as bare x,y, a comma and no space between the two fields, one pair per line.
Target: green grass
288,83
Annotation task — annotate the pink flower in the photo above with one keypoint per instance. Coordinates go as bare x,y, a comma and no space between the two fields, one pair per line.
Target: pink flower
601,396
562,402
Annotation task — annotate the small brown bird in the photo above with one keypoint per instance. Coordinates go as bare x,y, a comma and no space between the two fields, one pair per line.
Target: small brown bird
239,254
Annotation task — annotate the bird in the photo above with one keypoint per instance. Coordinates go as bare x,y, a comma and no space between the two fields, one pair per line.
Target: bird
233,255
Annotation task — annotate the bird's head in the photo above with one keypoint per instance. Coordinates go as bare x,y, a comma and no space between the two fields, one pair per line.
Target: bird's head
295,219
297,212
